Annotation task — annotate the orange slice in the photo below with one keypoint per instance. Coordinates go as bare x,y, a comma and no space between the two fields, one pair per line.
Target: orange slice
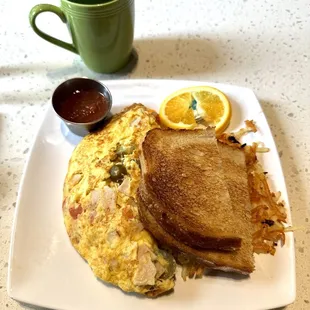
187,107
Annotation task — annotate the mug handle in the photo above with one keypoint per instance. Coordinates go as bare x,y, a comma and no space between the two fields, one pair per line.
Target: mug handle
40,8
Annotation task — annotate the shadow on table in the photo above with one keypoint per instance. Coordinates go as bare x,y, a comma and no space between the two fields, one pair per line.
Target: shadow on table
156,58
162,57
166,57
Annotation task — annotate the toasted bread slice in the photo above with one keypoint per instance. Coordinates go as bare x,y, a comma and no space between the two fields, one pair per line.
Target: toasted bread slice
182,171
241,261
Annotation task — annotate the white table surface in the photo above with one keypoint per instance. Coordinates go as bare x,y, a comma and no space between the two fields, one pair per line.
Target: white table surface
264,45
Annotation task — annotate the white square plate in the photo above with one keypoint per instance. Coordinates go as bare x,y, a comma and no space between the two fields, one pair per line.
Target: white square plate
45,270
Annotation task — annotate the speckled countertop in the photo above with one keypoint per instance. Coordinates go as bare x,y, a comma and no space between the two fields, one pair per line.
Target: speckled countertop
264,45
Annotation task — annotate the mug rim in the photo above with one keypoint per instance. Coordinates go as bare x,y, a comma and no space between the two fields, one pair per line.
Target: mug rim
90,5
96,10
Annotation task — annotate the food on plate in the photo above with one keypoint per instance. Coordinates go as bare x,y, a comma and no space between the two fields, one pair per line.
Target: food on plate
139,198
183,170
268,211
100,212
181,187
187,107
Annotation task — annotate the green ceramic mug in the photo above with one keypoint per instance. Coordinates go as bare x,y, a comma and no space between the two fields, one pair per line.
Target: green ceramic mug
102,31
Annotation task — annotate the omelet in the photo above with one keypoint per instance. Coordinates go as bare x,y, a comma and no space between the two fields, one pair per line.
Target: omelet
100,210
